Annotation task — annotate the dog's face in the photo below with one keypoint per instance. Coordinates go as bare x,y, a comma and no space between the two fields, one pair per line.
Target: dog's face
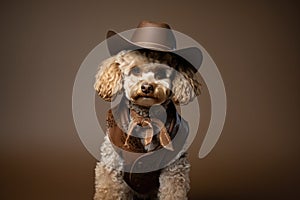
148,84
146,78
145,81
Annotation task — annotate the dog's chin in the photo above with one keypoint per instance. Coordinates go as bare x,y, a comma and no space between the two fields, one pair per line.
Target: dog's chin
147,101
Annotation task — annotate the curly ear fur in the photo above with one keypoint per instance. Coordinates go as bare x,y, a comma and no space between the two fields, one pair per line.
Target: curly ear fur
185,86
108,79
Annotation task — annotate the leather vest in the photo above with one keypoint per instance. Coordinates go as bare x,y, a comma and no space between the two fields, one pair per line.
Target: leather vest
141,168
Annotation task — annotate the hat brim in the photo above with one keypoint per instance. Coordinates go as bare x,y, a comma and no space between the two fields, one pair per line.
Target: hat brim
117,43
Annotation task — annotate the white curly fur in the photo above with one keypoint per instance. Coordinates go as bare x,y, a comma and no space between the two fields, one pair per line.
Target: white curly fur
109,184
109,156
174,180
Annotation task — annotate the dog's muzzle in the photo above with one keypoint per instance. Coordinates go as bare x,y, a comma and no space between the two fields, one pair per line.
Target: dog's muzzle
147,88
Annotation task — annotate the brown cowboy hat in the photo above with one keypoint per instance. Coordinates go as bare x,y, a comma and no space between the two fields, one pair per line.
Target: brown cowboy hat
154,36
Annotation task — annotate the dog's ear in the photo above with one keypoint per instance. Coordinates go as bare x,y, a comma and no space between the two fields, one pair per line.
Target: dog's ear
186,86
108,79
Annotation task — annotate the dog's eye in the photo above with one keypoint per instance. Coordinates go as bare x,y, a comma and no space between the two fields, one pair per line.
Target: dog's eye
161,74
135,71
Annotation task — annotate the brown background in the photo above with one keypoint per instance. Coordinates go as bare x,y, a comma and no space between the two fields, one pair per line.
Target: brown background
255,44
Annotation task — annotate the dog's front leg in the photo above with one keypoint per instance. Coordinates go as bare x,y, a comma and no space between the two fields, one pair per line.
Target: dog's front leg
109,184
174,180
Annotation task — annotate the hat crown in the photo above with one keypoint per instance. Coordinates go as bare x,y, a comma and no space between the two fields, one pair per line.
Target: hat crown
146,23
154,35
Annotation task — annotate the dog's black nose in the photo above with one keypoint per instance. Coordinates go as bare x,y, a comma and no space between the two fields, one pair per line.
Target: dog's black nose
147,88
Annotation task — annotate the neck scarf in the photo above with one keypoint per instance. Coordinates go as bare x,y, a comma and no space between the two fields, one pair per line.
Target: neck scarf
148,124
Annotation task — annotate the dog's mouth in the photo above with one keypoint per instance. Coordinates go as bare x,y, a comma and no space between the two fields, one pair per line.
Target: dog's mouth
146,100
144,97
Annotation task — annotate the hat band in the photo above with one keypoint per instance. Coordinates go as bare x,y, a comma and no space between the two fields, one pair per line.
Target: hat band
155,46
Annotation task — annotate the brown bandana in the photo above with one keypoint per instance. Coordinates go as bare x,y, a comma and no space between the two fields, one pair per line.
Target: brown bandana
149,123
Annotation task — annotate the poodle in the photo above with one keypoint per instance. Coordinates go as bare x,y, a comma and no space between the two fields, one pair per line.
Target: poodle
143,155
